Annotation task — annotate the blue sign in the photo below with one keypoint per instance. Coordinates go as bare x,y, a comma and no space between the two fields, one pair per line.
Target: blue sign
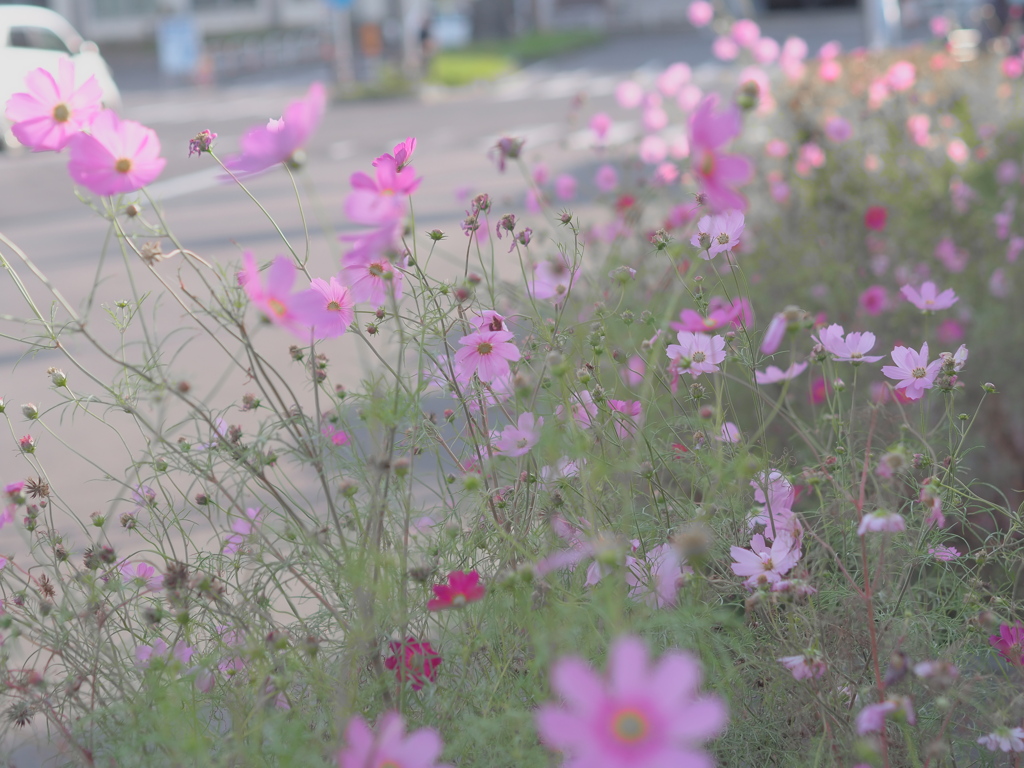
177,44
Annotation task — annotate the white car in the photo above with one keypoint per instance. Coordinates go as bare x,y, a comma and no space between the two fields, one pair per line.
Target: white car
33,37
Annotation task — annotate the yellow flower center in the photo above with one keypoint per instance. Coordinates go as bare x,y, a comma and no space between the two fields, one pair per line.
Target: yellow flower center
630,726
376,270
485,348
277,307
699,357
333,306
919,373
61,113
123,165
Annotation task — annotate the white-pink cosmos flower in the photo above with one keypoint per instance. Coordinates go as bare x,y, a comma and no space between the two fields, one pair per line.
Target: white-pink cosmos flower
656,578
553,278
762,565
696,353
1004,740
881,520
913,373
850,349
723,230
807,666
53,110
928,299
518,439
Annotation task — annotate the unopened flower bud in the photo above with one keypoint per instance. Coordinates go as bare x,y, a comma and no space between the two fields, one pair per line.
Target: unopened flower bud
436,235
97,519
57,377
133,210
29,411
989,387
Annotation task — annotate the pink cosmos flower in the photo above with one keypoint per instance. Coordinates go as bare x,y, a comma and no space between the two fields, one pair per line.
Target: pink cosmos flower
413,660
638,716
115,157
838,130
600,124
277,142
875,218
718,173
401,155
330,309
274,298
807,666
745,32
700,13
583,410
762,565
1010,643
7,516
776,496
772,374
607,178
142,572
850,349
562,469
673,78
696,353
766,50
241,529
565,186
518,439
145,654
725,48
871,719
958,151
1004,740
371,277
462,588
881,520
338,437
485,353
53,110
653,149
720,314
943,553
389,746
383,196
774,334
874,300
632,417
913,372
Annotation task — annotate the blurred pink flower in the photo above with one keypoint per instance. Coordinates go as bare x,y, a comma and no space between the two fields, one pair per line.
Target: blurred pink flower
1010,643
838,130
745,32
997,284
277,142
673,78
142,572
848,349
874,300
653,149
370,276
328,308
1013,67
632,417
774,334
241,528
583,408
871,719
1003,740
725,48
830,70
413,660
901,76
654,119
766,51
565,186
389,746
459,589
600,124
881,520
807,666
928,299
274,298
954,259
958,151
690,96
720,314
656,578
552,278
635,716
338,437
53,109
629,94
115,157
700,13
518,439
949,332
772,374
943,553
606,179
718,173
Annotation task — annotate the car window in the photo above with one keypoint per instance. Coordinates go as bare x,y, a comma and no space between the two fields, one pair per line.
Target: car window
39,38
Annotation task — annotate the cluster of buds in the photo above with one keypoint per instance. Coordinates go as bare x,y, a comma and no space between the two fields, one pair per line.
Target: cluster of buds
507,148
201,142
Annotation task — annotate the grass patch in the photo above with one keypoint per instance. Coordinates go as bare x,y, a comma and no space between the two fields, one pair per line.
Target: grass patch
490,59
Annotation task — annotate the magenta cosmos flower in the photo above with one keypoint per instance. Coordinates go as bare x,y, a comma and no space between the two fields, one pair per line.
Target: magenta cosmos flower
462,588
389,747
115,157
53,110
485,353
638,716
696,353
274,298
928,299
1010,643
718,173
912,372
720,314
413,660
277,141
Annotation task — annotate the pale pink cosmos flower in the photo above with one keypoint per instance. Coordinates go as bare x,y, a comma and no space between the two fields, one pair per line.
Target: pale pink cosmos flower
700,13
871,719
774,334
958,151
553,278
565,186
730,433
954,259
745,32
928,299
7,516
901,76
690,96
338,437
401,155
766,51
389,746
488,320
725,231
881,520
562,469
636,716
763,565
143,573
277,142
807,666
485,353
274,298
776,496
696,353
600,124
772,374
717,172
653,149
913,373
629,94
53,110
830,70
656,578
328,308
631,417
654,119
943,553
145,654
1004,740
115,157
674,78
241,528
381,197
518,439
850,349
583,409
606,179
632,373
725,48
874,300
